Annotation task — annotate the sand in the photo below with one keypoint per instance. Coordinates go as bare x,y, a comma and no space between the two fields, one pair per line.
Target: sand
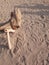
32,38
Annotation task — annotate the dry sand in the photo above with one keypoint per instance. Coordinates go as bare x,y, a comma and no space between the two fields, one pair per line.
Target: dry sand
32,38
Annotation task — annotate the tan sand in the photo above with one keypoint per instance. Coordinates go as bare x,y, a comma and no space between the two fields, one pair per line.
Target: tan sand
31,40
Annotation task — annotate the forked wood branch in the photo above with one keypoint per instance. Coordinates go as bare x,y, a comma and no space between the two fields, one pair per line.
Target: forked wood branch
15,22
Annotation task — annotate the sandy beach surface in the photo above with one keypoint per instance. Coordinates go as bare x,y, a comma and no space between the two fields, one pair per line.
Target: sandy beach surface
31,40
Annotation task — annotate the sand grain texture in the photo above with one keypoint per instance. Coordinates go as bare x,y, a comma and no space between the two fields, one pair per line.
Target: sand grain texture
32,38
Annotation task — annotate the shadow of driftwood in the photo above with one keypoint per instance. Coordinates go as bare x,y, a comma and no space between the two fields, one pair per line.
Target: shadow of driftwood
1,31
1,24
35,6
37,13
4,46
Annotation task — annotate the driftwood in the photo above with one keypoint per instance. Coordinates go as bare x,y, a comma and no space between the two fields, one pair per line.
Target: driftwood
14,23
